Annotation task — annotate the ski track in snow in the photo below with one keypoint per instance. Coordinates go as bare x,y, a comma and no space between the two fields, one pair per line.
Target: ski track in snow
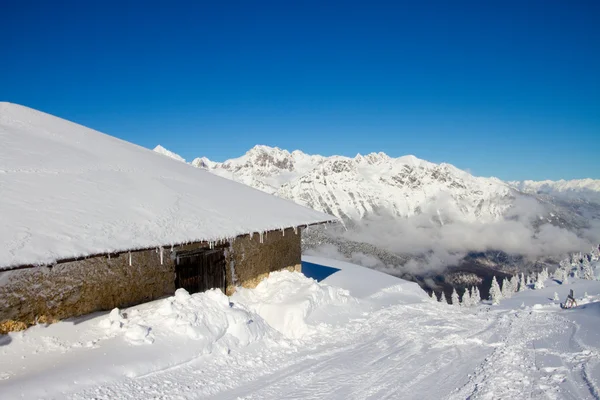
390,342
520,367
372,357
377,357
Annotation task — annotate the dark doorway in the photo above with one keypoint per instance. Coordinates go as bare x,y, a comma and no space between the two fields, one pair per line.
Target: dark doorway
200,270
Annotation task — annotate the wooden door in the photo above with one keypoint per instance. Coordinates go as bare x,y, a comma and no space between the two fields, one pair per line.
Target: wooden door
200,270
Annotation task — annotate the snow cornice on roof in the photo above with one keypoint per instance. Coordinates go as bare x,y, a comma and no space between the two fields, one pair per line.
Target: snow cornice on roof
220,243
71,192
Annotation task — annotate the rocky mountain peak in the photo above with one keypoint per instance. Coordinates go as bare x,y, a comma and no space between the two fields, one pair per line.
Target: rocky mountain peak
375,184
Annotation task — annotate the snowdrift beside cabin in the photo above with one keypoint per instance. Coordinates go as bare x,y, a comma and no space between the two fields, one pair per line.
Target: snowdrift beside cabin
207,318
287,299
69,191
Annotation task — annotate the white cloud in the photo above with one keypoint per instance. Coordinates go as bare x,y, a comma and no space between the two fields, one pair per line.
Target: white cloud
438,245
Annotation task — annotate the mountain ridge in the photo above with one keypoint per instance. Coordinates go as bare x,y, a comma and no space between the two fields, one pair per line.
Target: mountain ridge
376,184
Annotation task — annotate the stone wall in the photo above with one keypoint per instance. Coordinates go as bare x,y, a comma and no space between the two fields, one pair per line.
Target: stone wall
252,260
70,289
46,294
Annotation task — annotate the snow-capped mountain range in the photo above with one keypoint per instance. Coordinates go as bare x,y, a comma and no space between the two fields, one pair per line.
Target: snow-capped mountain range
589,188
376,184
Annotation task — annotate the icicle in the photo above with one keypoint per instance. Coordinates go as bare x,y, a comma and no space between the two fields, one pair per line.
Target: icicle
260,237
130,259
109,256
171,247
282,232
234,279
296,230
161,256
177,258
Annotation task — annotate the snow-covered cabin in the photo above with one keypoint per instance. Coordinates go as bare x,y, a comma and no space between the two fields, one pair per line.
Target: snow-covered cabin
90,222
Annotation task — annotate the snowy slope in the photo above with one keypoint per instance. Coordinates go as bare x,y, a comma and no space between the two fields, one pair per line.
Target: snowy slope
161,150
294,338
69,191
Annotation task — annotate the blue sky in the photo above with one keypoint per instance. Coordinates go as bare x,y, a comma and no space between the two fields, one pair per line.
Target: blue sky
503,88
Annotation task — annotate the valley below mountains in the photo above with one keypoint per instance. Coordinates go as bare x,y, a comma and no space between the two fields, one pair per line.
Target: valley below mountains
431,223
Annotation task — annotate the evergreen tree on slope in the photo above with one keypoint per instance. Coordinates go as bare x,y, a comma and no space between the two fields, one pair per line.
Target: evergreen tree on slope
522,283
466,298
475,296
539,283
587,272
455,299
495,292
506,290
443,298
514,283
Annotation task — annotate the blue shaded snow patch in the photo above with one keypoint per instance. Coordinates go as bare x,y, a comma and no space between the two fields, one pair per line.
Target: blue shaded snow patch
316,271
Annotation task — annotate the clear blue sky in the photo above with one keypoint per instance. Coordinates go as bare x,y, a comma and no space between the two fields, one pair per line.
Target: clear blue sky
503,88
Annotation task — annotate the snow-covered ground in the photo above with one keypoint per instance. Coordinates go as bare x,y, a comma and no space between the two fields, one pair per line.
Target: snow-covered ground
357,334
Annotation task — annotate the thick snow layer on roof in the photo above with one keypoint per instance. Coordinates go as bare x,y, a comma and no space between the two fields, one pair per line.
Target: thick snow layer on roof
69,191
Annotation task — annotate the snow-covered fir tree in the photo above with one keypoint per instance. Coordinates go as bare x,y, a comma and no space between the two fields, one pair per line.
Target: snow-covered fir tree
443,298
587,272
595,253
556,298
455,298
565,266
506,289
466,298
522,283
539,283
559,274
475,296
514,283
495,292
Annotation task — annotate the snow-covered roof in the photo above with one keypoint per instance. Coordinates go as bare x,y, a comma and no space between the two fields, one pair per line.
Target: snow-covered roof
68,191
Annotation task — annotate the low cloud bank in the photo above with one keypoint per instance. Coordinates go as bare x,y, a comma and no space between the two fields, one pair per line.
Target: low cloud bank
439,237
